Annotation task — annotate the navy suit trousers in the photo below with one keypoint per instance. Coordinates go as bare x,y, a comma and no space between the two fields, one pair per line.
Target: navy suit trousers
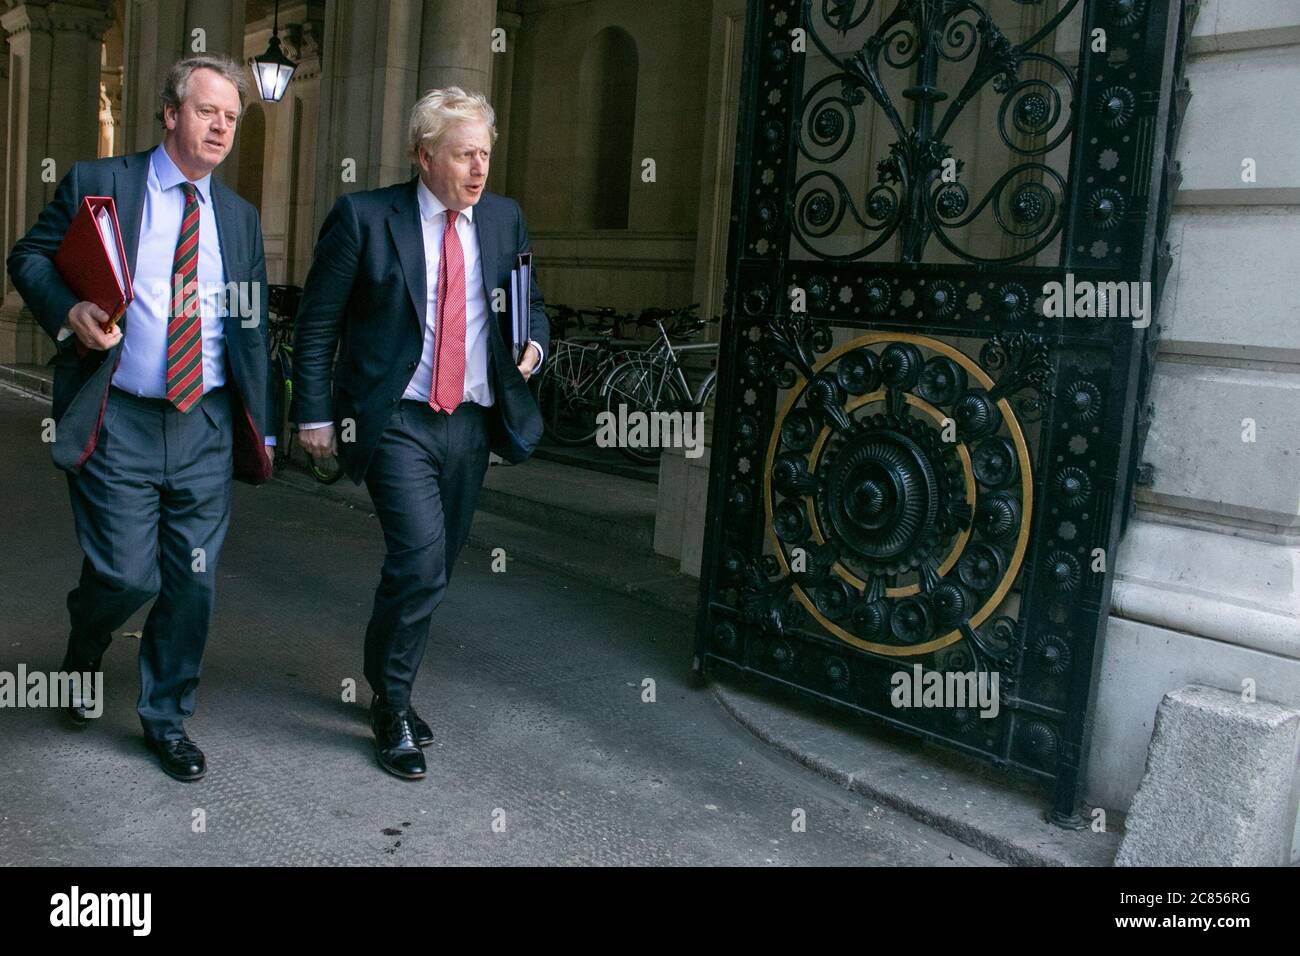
424,479
151,508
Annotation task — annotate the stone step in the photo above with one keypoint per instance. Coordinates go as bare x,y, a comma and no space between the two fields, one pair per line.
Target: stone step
33,378
607,460
651,578
576,502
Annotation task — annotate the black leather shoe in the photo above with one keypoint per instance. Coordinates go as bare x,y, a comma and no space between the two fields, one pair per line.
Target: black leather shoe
180,757
76,710
423,735
395,743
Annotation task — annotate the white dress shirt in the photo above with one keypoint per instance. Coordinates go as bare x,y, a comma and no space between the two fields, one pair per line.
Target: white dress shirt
143,368
433,223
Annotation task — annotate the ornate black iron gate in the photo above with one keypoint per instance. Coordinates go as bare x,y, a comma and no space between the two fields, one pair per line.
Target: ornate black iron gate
917,459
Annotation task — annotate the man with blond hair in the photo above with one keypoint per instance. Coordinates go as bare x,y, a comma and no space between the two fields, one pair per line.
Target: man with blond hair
408,287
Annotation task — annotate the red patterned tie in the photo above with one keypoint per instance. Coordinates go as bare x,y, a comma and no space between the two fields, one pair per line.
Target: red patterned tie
449,364
185,327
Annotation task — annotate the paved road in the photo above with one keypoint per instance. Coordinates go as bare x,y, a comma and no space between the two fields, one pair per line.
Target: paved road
532,684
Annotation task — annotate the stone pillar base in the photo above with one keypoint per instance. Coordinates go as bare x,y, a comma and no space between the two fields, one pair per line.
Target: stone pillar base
682,503
1220,786
22,341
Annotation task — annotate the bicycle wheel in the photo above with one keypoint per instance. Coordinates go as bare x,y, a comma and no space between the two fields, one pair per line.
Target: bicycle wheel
639,390
282,388
567,417
326,471
706,396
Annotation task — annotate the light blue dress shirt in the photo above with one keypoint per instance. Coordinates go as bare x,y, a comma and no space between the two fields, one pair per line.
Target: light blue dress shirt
143,366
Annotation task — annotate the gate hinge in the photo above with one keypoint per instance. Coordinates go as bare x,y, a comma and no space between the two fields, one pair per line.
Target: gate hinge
1146,475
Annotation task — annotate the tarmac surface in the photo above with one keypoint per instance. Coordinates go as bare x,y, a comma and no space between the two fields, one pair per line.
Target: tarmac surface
533,683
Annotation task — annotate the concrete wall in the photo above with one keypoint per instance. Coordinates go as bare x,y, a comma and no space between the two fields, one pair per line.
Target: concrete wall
1208,580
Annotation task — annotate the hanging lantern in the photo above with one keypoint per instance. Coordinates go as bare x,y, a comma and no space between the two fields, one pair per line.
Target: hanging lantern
273,69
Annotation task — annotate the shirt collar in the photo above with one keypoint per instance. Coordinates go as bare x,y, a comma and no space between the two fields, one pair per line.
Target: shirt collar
169,176
431,205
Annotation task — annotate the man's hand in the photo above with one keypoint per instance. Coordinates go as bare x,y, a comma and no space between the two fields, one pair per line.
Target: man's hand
87,322
319,442
528,364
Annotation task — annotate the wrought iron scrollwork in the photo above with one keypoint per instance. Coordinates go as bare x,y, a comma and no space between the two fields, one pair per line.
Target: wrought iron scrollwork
912,200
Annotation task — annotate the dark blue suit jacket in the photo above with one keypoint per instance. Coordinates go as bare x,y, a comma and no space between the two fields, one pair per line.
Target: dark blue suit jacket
81,384
366,291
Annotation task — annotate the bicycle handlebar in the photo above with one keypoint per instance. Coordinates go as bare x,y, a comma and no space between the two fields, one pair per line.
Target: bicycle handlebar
684,320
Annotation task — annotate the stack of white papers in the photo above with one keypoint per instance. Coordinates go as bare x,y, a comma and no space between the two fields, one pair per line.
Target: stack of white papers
104,220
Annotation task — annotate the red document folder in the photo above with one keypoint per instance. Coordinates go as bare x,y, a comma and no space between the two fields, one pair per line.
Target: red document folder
92,260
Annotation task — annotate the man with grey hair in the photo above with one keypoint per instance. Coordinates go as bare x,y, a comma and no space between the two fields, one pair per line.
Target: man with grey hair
157,414
411,280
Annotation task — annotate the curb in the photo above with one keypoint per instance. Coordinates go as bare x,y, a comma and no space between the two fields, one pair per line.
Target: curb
33,382
651,578
968,801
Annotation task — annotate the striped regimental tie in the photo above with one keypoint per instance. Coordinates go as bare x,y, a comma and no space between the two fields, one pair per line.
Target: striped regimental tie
185,327
448,386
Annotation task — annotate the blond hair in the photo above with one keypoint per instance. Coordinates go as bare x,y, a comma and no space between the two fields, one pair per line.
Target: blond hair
438,110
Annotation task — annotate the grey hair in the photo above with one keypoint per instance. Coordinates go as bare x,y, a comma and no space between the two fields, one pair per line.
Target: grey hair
176,83
437,111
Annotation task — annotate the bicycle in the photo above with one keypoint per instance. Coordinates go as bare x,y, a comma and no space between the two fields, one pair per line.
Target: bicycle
569,388
654,380
282,306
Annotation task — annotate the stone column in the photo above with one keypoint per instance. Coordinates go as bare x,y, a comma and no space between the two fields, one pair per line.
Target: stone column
370,64
726,50
110,79
503,78
4,151
305,88
223,24
456,45
159,34
52,122
153,40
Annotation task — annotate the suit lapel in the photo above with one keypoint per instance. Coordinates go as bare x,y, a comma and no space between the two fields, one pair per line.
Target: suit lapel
484,229
408,237
223,216
128,199
487,228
